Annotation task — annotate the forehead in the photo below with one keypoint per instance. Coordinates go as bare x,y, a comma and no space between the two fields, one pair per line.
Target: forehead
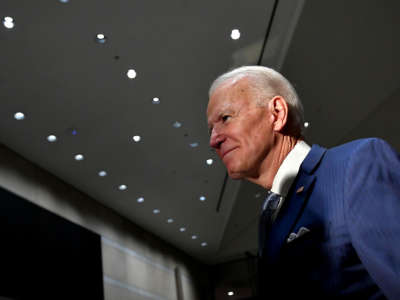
230,94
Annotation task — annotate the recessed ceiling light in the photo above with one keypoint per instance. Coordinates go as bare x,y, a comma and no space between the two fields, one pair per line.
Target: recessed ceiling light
202,198
140,200
170,220
306,124
122,187
8,22
137,138
64,1
52,138
194,237
194,145
182,229
177,124
230,293
156,100
209,161
131,73
19,116
102,173
204,244
101,38
79,157
235,34
156,211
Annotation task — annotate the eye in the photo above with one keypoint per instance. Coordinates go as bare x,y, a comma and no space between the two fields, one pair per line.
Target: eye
225,118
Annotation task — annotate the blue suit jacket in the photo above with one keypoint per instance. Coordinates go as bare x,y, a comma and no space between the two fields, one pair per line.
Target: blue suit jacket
348,197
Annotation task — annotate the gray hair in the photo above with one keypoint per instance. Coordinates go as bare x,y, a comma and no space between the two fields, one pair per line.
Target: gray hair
269,83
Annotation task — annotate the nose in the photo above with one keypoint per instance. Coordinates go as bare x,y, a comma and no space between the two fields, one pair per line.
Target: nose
216,139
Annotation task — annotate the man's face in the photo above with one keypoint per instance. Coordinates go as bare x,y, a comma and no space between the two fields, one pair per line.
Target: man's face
241,131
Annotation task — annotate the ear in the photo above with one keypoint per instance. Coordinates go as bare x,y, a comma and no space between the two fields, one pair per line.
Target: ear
279,109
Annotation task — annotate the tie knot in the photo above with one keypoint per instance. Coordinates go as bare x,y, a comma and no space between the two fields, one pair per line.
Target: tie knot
272,201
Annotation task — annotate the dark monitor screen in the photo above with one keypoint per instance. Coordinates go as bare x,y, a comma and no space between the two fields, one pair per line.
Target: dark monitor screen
44,256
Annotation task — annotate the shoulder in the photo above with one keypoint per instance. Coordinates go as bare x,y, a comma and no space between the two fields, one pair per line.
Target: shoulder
359,144
357,155
361,148
372,161
375,149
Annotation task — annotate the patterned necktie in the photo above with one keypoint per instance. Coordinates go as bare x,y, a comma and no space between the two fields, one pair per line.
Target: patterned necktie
269,207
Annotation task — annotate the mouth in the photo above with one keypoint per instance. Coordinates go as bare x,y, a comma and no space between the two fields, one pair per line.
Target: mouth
226,152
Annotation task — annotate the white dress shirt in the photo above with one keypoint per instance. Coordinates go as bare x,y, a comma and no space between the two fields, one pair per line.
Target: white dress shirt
288,170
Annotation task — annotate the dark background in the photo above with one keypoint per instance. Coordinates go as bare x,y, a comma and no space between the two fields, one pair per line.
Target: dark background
43,256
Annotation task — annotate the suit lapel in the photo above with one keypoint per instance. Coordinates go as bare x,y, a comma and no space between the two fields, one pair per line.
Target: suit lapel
294,205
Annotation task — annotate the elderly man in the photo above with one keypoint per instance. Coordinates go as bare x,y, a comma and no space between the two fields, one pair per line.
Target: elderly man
330,225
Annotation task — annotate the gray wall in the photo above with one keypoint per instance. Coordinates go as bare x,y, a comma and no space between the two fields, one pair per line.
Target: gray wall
136,264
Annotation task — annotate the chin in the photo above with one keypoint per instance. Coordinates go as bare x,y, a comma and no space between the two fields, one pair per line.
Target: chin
235,177
235,168
234,174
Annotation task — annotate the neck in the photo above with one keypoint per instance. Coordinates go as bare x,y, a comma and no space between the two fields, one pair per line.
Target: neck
270,165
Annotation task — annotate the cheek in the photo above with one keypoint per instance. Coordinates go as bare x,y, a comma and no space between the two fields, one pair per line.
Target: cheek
256,131
259,140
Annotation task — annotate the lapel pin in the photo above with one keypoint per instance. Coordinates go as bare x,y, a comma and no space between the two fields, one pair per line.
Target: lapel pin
300,189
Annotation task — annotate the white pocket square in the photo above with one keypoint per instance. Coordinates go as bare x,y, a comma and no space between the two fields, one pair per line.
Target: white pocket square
293,235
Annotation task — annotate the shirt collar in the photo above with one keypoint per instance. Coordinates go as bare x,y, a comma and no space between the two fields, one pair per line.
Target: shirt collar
289,168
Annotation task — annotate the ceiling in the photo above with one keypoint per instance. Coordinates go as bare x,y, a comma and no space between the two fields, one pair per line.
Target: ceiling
342,57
